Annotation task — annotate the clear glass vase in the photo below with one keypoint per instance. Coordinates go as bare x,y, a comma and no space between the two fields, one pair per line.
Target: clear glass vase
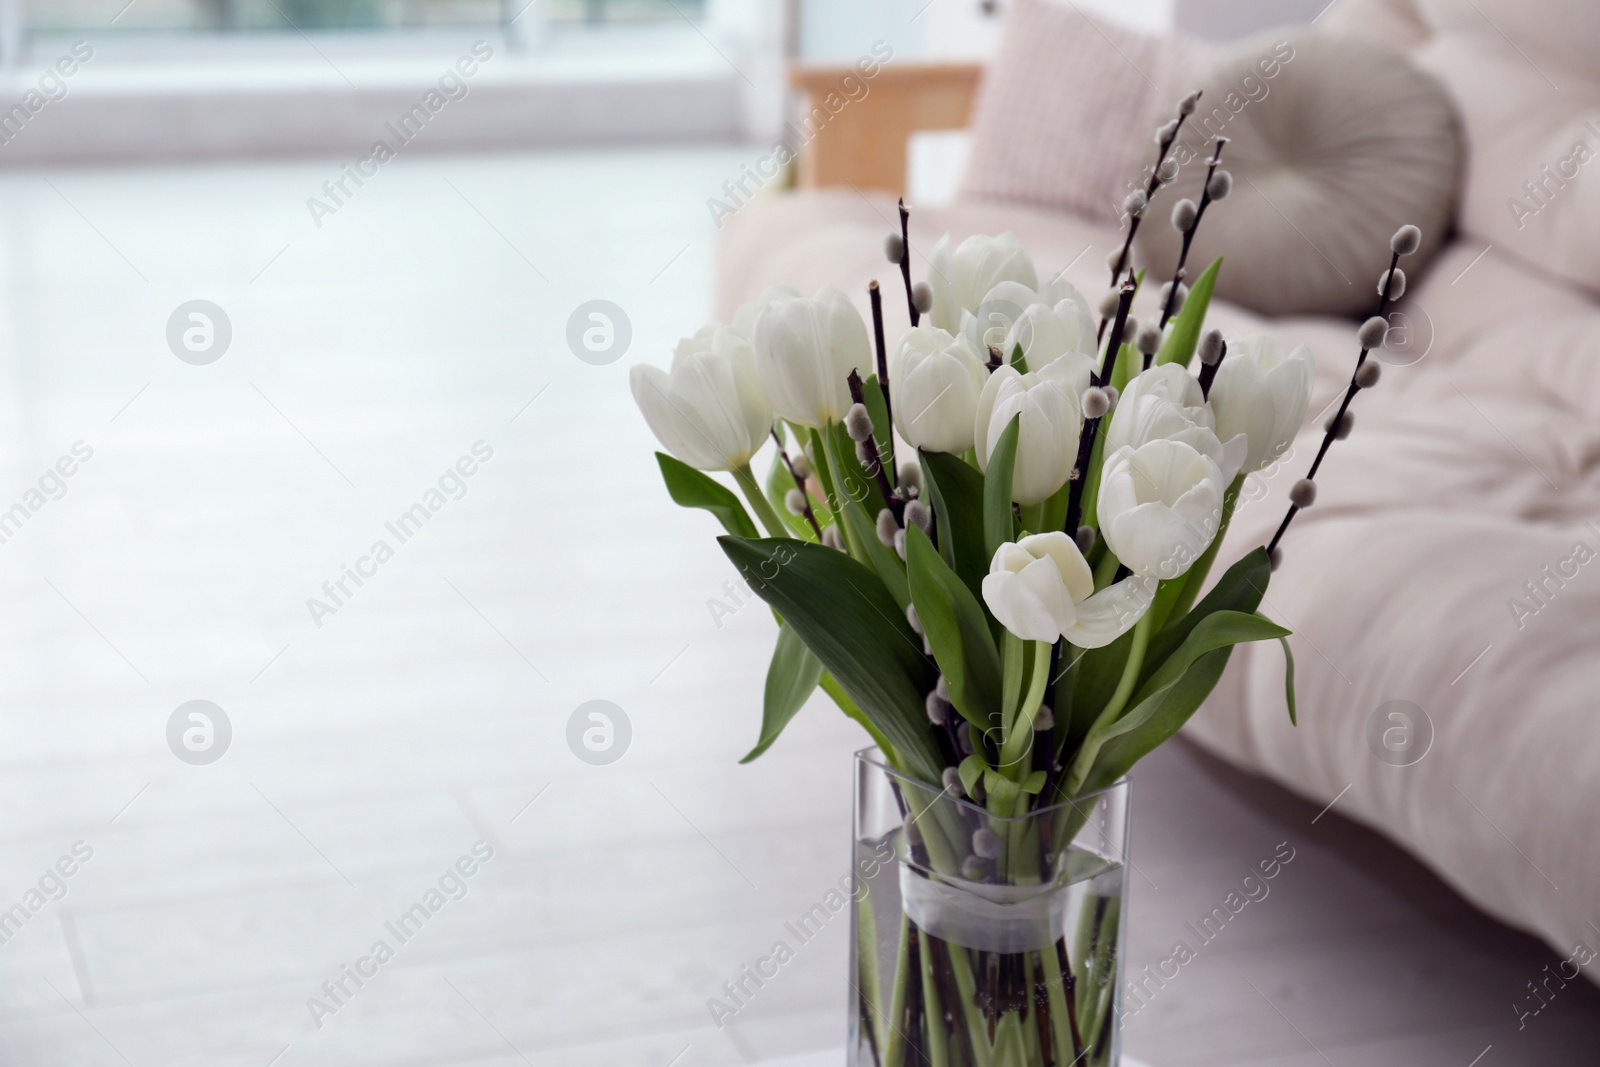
1003,955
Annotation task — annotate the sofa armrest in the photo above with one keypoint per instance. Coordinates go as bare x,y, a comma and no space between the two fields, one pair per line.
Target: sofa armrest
860,139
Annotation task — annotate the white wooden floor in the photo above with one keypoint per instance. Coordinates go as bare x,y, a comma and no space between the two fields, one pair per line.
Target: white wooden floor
430,710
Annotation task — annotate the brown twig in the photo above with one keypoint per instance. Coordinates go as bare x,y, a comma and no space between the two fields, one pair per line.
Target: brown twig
905,261
1150,190
1188,236
870,445
883,370
800,484
1080,471
1332,427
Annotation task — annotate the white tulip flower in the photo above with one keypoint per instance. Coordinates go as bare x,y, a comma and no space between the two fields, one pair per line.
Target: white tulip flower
744,319
1041,589
1167,403
934,383
1052,417
1262,392
961,279
1159,506
805,350
1045,322
709,410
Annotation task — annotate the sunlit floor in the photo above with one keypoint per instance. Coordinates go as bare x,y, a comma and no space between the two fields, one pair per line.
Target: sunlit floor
390,734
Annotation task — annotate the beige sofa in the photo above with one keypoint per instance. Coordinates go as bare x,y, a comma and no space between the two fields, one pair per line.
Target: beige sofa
1445,590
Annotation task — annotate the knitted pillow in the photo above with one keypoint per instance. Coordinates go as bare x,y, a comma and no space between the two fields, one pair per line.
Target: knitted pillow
1333,142
1064,114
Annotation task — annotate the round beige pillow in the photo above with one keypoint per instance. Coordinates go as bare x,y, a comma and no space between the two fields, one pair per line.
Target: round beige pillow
1333,142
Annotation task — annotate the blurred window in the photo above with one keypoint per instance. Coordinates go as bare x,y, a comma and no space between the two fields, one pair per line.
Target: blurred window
246,16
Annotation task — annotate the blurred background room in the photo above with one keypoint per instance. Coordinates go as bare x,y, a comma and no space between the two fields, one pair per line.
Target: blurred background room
330,535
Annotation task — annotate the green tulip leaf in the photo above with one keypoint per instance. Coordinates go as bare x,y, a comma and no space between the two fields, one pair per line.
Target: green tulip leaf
1288,679
1171,709
954,490
882,431
1184,335
1218,630
1239,589
999,522
791,679
958,631
690,488
847,619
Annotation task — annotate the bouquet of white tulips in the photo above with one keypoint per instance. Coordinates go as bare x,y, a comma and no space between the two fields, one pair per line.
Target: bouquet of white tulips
987,543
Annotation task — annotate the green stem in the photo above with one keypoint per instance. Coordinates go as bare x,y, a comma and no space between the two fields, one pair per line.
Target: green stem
1033,518
932,1011
1019,729
1187,588
1119,699
894,1044
1106,569
758,502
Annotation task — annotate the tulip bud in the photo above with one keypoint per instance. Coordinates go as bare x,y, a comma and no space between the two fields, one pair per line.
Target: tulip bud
1045,719
1047,400
887,527
1168,170
1342,428
1392,286
1368,373
934,387
952,782
795,501
910,476
1184,213
1212,347
1186,106
919,515
961,278
1406,240
1040,588
1095,402
913,618
1303,493
1085,538
1372,333
1159,505
1261,391
922,297
709,409
893,248
831,538
805,349
1177,301
1220,185
986,844
1165,131
1148,339
1134,203
858,423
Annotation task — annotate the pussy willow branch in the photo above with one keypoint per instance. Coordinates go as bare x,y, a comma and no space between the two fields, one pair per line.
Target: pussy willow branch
1149,193
883,365
1188,237
799,483
905,261
1080,470
870,445
1332,427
